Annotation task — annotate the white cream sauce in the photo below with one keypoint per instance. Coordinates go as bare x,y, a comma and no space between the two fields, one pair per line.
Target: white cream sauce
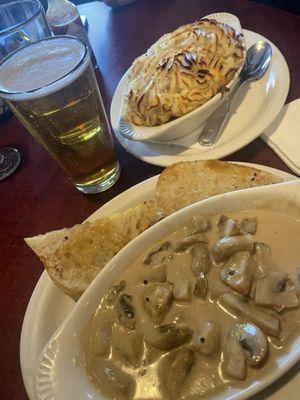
206,376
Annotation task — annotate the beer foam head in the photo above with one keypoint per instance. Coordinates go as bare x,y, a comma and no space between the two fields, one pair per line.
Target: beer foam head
42,68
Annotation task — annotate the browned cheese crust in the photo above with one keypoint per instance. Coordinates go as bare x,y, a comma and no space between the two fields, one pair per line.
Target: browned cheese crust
181,71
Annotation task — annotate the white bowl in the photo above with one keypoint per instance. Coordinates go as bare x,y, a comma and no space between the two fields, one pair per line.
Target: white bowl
61,376
190,122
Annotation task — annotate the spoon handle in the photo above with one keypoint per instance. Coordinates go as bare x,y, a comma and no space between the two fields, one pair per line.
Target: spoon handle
217,120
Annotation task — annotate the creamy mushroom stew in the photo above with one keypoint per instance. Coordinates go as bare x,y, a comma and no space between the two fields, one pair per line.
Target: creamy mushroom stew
206,308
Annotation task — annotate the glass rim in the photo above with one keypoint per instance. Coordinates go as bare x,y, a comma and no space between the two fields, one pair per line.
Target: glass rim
10,55
26,21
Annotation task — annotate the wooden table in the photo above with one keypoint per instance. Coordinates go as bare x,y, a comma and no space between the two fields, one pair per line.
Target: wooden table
38,198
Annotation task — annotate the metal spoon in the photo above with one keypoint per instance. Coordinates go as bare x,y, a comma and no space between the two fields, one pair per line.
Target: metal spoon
258,58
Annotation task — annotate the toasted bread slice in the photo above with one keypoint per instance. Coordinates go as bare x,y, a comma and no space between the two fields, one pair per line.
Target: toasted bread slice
74,256
185,183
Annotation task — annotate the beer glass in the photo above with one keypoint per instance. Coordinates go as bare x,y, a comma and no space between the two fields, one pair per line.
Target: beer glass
51,87
21,22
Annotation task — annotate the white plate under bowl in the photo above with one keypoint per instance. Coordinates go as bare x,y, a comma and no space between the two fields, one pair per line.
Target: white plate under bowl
253,110
60,375
49,306
194,120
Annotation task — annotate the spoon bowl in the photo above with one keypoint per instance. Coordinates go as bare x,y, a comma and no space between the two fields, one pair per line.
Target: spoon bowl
258,58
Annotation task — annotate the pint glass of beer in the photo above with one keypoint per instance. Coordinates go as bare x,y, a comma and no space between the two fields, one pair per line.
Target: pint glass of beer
51,87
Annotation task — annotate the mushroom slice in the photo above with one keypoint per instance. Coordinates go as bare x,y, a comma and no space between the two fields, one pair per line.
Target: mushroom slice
112,381
113,292
207,340
174,370
168,336
101,338
297,281
249,225
198,224
263,258
228,226
238,272
158,299
268,323
234,359
157,273
227,246
127,345
182,291
252,340
157,255
200,259
276,290
125,310
246,343
201,286
189,241
287,328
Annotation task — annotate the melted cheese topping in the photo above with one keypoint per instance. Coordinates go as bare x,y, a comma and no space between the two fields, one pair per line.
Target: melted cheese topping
182,71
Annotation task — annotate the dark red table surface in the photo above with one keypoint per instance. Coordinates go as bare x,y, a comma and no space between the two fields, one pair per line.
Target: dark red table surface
38,198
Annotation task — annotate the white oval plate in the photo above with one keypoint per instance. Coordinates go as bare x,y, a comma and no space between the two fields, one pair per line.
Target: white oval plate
60,371
49,306
253,110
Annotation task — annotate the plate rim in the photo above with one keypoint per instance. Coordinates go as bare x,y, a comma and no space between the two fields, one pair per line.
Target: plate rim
45,281
162,159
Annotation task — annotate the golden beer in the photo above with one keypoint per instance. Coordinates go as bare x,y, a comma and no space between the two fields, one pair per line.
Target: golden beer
55,95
